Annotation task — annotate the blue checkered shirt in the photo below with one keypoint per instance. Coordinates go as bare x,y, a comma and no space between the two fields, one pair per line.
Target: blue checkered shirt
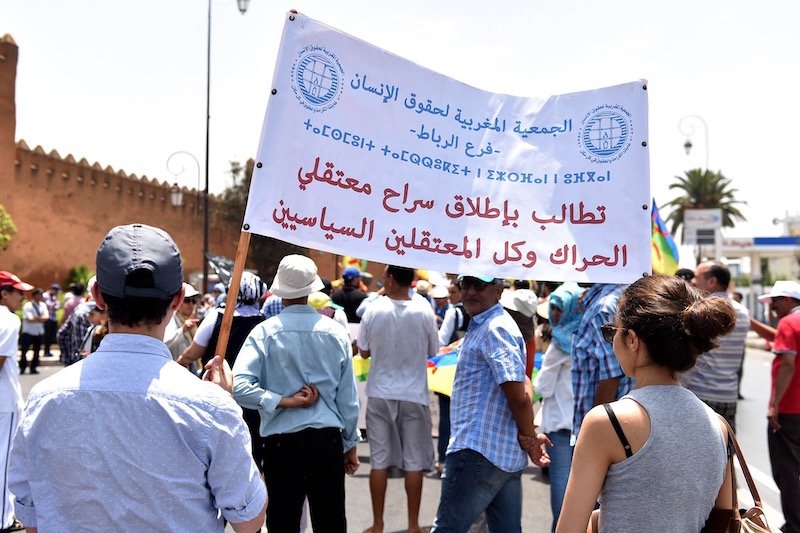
593,358
492,353
272,306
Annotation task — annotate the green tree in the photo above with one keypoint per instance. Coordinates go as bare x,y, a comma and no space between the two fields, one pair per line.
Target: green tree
7,228
704,189
264,253
79,274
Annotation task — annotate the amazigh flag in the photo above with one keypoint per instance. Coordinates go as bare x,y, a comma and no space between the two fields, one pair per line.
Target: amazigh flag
665,253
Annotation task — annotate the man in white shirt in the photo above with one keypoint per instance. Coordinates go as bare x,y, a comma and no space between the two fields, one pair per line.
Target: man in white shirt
399,333
11,294
34,317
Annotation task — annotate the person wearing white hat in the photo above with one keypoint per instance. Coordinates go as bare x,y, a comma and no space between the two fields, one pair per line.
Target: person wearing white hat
783,412
286,364
183,326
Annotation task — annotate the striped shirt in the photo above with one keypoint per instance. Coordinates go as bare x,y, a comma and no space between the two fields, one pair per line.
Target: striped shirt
593,358
715,376
492,353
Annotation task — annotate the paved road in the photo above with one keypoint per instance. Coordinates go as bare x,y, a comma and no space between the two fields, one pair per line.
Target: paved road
751,421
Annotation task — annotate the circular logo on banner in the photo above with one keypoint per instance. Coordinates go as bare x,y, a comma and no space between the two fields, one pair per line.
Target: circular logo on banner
317,78
605,133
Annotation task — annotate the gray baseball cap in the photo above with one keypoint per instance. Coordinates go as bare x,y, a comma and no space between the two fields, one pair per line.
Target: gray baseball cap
138,246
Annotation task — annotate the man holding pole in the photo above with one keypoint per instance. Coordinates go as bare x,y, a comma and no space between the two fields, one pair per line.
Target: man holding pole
127,439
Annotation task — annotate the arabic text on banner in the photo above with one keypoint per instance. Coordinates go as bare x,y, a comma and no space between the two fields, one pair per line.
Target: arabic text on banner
366,154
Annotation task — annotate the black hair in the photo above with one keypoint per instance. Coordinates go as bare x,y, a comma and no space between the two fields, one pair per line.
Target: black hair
133,311
402,275
673,320
721,272
326,286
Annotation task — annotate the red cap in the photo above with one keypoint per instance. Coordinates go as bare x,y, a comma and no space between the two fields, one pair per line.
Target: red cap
7,279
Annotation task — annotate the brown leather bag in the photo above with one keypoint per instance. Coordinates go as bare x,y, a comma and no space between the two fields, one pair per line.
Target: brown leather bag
738,520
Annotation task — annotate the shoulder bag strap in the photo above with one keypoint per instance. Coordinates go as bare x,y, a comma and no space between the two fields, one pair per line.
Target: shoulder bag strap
743,464
618,430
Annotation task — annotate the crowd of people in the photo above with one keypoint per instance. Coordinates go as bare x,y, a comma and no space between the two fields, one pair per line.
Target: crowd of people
634,383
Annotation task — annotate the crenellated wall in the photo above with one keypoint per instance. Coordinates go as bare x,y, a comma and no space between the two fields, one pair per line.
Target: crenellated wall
63,208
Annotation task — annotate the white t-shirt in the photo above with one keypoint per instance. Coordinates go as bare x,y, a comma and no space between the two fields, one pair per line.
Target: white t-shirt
10,391
400,335
29,313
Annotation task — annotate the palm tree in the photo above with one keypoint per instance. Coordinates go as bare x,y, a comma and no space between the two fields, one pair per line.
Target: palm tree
704,189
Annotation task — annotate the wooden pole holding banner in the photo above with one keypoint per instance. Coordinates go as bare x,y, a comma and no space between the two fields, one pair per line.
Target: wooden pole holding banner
233,292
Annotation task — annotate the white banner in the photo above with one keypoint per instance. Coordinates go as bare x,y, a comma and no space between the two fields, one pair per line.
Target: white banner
364,153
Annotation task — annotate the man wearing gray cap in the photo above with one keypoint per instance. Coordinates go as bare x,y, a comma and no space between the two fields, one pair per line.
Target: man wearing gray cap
140,444
296,369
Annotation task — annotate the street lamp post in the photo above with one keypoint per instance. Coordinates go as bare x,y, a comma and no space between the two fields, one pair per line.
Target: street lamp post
179,171
689,131
242,5
175,195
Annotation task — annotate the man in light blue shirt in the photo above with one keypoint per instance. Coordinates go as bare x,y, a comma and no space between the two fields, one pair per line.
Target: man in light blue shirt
492,432
126,439
296,369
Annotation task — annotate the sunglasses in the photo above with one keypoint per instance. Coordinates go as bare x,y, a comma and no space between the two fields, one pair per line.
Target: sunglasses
191,300
608,331
472,283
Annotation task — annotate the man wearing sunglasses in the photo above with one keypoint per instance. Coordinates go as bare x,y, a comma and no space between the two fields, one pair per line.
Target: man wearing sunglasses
492,431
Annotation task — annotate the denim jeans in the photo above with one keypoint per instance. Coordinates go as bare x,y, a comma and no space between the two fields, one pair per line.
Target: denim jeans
560,464
471,485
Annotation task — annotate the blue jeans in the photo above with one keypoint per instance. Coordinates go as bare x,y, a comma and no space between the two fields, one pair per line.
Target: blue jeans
560,464
471,485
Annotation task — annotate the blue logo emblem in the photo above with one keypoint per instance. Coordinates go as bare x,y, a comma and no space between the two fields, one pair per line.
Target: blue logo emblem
317,78
605,133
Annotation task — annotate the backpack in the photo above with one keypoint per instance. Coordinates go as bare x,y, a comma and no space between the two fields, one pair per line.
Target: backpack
462,321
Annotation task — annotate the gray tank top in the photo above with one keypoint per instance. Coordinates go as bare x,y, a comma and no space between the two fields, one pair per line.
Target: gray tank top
672,482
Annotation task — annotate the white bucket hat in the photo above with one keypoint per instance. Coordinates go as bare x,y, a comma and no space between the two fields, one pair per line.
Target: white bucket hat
521,300
296,277
790,289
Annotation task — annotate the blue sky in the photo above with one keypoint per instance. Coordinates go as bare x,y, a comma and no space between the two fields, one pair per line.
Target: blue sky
123,83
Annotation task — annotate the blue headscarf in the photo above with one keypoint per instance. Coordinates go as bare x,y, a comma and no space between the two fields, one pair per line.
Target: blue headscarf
566,298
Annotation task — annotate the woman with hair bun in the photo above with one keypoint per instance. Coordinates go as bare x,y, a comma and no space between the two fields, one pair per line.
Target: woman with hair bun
657,457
